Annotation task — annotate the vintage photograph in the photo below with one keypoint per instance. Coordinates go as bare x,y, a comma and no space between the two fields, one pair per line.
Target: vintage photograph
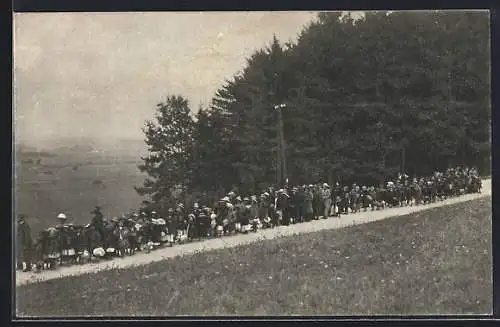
252,163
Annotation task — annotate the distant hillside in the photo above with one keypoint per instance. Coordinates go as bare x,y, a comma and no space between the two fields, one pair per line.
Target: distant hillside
28,150
73,176
86,148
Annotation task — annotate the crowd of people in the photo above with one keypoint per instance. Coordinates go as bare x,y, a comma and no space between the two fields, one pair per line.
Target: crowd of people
104,238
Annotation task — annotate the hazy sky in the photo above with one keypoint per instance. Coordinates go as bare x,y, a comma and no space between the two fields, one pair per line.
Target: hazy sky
101,74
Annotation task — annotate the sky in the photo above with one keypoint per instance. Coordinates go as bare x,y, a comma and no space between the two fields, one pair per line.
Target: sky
100,75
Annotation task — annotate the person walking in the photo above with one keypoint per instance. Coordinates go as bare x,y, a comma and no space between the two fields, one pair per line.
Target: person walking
317,201
336,198
308,203
24,244
326,196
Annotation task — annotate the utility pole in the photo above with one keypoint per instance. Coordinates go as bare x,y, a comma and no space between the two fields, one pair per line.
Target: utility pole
281,156
403,158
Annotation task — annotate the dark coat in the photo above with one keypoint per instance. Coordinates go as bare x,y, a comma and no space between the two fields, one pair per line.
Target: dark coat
24,242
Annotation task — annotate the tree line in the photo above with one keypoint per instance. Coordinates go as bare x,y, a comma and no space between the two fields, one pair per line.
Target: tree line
364,99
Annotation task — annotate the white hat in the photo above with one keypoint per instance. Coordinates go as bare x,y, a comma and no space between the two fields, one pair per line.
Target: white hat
225,199
161,221
325,185
61,216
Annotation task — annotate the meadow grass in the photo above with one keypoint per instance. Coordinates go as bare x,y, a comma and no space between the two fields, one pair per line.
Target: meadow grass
437,261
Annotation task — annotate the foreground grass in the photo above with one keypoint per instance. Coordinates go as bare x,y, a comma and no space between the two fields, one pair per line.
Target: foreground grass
432,262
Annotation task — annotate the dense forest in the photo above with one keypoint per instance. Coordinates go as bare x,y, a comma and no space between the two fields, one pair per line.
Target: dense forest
364,99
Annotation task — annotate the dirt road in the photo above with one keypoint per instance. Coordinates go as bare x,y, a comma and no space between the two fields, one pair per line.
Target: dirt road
218,243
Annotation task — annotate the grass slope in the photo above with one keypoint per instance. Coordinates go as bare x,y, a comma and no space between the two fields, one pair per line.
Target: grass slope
432,262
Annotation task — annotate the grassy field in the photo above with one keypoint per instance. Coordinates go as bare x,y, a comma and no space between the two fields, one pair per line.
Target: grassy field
432,262
74,184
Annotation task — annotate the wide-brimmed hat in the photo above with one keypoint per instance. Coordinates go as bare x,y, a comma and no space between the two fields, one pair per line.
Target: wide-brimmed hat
61,216
238,198
225,199
326,185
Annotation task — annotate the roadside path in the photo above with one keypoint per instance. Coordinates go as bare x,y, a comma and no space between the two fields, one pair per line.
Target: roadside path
240,239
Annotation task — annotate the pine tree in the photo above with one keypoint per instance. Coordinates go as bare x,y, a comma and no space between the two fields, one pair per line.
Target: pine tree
170,142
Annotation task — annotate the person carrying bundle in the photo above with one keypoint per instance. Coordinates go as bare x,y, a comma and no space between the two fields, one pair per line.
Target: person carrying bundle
65,234
283,207
244,216
263,210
